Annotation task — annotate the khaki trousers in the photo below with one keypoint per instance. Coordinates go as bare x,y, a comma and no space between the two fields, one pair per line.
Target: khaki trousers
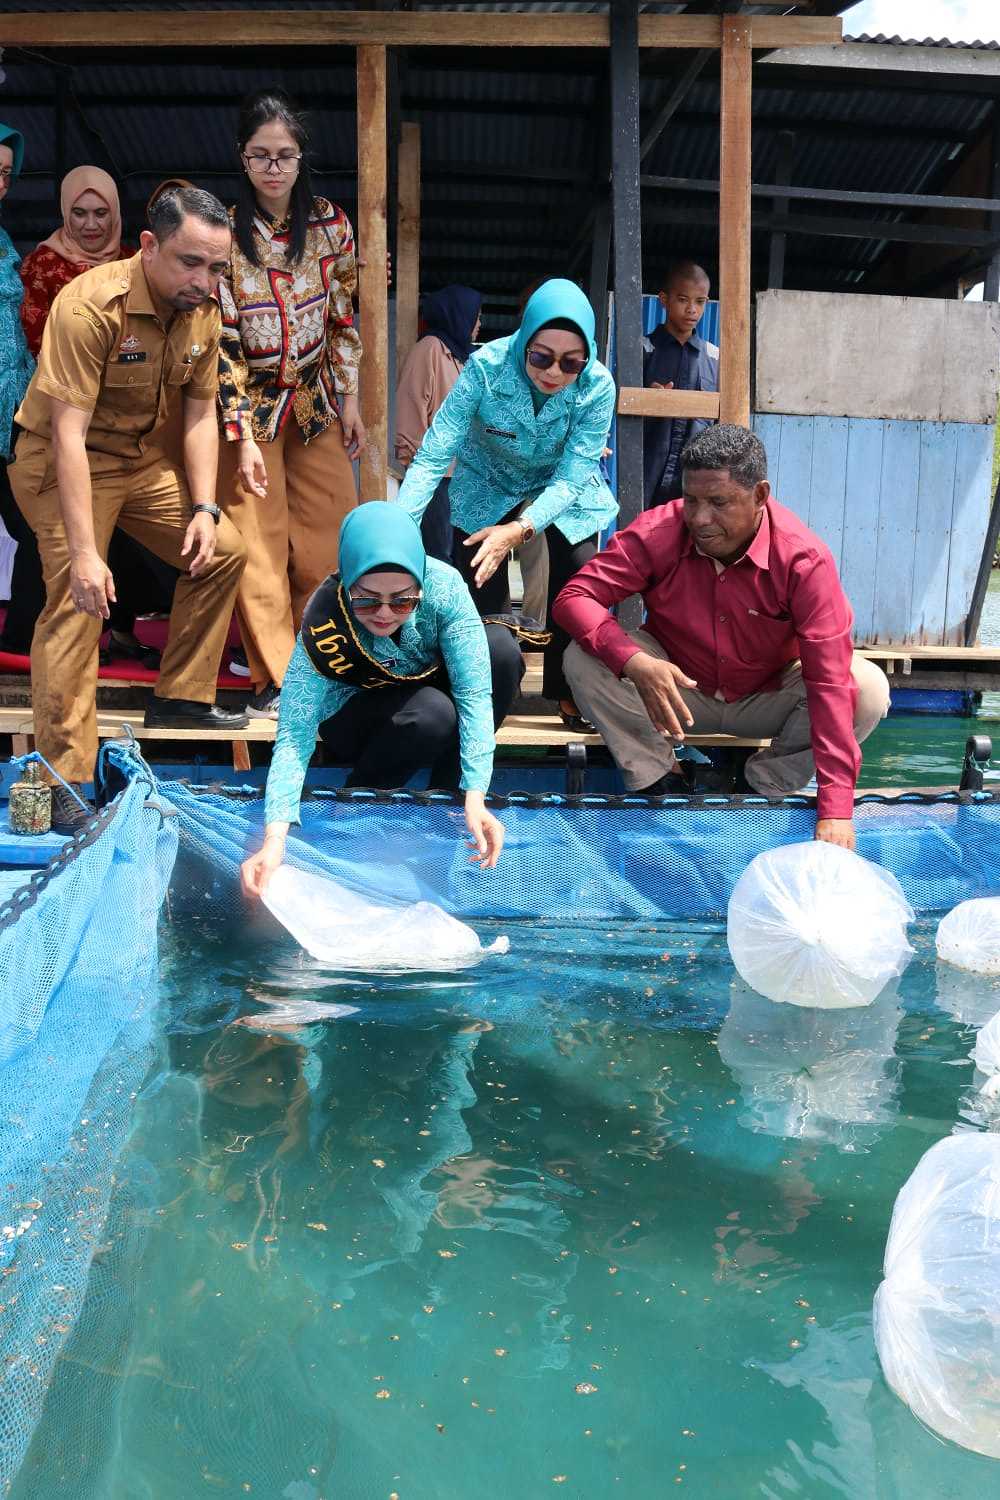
291,538
148,499
644,755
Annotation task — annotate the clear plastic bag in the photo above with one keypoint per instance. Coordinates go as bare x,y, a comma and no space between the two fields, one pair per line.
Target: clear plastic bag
813,1074
937,1313
972,999
969,936
816,925
346,931
986,1056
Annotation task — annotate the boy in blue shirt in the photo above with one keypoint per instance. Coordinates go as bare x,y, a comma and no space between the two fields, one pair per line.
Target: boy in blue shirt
675,358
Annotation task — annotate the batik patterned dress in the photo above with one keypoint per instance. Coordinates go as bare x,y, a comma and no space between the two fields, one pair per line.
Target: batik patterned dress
289,344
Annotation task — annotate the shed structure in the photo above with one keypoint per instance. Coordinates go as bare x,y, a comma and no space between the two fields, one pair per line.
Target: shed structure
498,143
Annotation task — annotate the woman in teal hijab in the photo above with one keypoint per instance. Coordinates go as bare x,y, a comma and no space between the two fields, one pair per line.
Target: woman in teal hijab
525,424
396,671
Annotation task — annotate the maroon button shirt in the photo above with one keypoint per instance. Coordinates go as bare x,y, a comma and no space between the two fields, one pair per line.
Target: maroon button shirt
733,632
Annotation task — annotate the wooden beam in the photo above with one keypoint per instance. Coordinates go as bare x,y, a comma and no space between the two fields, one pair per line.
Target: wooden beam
291,28
373,300
637,401
782,192
734,222
408,244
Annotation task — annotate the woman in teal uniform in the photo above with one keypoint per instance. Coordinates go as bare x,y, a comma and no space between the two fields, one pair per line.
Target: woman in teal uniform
525,424
397,671
16,369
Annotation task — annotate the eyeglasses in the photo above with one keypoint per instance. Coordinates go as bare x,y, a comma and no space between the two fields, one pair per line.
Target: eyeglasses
402,604
259,161
544,359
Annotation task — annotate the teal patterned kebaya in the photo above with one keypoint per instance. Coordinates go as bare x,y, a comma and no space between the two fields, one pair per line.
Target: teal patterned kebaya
506,452
444,626
17,366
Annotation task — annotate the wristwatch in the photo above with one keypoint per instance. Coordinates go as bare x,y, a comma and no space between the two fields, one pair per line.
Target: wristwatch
210,510
527,529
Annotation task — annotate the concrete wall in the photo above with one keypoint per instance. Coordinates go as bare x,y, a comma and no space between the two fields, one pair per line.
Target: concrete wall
920,359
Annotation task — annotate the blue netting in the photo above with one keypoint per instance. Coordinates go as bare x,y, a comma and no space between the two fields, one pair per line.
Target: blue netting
588,860
78,959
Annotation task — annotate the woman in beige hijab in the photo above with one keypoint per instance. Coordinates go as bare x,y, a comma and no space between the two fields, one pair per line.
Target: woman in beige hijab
89,235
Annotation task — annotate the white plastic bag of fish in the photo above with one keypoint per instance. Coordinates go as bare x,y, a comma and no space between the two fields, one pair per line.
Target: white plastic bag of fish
816,925
937,1313
986,1056
345,931
969,936
814,1075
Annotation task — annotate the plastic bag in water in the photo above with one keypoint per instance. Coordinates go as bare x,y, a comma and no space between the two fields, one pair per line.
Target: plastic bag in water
969,936
937,1313
814,924
986,1056
810,1074
346,931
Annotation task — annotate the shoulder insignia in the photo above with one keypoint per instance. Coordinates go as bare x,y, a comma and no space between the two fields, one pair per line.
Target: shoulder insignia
84,312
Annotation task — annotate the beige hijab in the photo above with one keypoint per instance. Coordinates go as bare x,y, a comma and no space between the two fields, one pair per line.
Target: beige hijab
86,180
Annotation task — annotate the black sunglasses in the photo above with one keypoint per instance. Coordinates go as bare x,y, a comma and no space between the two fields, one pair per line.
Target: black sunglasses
544,359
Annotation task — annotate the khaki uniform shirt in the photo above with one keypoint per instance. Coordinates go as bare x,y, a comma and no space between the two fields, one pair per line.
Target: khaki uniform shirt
105,351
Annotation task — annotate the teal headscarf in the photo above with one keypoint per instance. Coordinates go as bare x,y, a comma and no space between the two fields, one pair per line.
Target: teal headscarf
556,299
378,535
15,140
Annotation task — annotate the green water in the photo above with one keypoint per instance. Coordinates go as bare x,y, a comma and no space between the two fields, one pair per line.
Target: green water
927,750
589,1221
576,1223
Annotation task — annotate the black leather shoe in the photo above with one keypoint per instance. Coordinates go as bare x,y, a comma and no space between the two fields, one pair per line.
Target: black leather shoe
68,817
181,713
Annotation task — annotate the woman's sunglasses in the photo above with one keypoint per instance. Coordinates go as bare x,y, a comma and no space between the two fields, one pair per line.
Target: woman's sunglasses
405,604
544,359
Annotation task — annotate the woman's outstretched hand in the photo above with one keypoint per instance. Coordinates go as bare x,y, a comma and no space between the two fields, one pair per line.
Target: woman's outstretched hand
495,543
486,831
256,871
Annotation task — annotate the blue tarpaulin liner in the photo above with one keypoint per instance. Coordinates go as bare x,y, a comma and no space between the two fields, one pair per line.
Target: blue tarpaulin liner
78,984
583,859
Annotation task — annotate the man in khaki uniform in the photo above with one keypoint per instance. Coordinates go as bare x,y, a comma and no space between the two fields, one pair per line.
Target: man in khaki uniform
119,428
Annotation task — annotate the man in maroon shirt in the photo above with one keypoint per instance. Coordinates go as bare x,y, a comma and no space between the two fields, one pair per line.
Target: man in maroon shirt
747,632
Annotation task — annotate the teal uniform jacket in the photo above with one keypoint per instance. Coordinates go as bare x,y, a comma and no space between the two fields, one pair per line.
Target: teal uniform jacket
17,365
444,626
507,454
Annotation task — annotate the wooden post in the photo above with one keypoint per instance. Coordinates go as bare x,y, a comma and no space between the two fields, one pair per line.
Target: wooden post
624,21
734,222
373,298
408,244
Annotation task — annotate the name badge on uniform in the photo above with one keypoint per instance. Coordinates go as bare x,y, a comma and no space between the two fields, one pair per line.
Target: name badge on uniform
131,352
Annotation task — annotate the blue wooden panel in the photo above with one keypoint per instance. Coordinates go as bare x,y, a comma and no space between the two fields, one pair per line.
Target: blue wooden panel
791,476
932,534
903,506
969,520
897,525
859,549
829,482
769,428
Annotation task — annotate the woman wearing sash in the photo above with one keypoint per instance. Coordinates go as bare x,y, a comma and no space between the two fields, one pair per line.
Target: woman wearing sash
397,672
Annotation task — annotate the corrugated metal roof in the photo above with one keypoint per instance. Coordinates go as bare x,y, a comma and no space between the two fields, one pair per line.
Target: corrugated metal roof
928,41
509,144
